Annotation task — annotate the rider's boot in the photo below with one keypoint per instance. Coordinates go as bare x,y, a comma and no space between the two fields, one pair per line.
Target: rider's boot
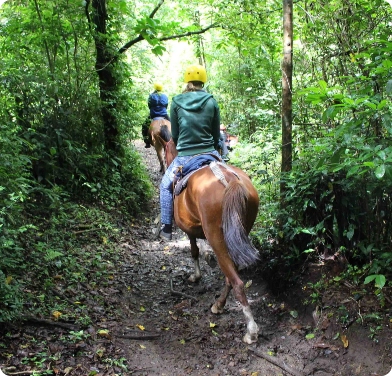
166,232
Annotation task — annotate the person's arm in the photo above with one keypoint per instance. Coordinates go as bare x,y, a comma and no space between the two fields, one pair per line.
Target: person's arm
216,126
165,100
174,122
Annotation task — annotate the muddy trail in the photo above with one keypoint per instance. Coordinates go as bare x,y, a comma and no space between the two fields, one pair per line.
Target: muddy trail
152,321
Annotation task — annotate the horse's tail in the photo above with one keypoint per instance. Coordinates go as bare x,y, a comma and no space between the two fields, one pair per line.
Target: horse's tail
165,133
234,210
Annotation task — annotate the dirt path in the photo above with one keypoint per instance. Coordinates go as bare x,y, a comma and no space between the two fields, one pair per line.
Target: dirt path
148,320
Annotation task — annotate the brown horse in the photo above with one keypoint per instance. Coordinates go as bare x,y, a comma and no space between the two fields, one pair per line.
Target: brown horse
222,210
160,132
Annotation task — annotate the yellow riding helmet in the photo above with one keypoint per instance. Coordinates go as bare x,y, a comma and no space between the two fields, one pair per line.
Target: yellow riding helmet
158,86
195,73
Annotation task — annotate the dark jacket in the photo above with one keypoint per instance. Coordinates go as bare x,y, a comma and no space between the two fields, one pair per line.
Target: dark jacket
195,122
157,103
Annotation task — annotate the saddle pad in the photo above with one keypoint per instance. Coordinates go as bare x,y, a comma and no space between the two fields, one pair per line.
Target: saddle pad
195,163
182,183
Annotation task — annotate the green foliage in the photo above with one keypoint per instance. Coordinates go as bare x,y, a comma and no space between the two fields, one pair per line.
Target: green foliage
379,280
15,186
338,193
52,143
11,301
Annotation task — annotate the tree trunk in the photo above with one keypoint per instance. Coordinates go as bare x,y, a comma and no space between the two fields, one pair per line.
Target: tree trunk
107,81
287,110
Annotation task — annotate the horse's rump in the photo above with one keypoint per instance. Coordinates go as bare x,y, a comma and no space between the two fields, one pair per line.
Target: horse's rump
160,128
206,208
160,133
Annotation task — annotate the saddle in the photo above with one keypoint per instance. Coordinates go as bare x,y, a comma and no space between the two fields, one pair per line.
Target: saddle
195,164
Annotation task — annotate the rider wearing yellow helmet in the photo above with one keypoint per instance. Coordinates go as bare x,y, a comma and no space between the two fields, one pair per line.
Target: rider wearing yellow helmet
195,121
157,103
195,73
158,86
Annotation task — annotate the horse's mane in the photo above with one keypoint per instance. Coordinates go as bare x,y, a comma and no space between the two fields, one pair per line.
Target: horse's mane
165,133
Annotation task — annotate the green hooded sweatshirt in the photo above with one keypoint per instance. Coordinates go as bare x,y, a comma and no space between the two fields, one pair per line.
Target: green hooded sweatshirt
195,122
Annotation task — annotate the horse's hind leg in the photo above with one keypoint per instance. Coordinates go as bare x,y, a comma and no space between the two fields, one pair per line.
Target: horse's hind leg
252,328
219,304
233,281
195,256
159,151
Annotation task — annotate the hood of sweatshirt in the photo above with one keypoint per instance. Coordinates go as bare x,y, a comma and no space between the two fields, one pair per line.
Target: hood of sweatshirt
193,100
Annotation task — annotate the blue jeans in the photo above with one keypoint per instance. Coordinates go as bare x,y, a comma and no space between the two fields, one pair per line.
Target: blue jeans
166,187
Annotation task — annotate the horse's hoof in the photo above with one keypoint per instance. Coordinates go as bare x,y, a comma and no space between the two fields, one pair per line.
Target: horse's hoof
193,279
215,309
211,260
250,338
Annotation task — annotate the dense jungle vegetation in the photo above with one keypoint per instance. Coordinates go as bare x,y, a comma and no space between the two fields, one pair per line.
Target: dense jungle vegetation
75,77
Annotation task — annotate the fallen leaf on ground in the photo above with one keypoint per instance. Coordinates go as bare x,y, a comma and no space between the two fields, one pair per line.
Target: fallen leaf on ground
344,339
103,333
56,315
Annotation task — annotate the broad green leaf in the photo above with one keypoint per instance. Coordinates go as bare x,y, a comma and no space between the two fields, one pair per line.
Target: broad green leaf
350,234
352,171
380,171
369,279
382,155
368,164
370,105
382,104
388,87
323,84
380,281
